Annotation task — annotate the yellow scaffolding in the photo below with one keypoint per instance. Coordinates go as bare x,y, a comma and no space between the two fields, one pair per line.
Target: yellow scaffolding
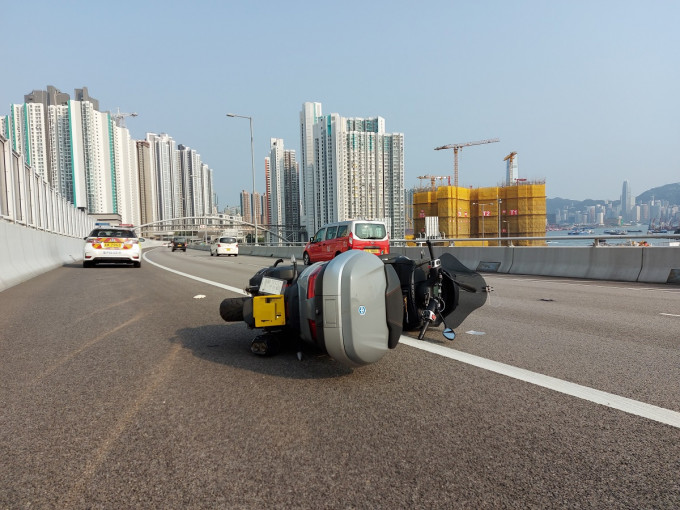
512,211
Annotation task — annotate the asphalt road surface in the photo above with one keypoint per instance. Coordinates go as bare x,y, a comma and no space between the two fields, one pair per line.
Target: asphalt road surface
123,388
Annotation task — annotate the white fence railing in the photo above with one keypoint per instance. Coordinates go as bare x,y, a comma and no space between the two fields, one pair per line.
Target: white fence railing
27,199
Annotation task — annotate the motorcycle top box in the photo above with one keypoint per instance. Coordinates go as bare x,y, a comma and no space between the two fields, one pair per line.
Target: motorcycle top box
351,307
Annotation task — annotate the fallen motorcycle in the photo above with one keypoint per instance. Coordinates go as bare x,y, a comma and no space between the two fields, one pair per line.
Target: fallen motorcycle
355,307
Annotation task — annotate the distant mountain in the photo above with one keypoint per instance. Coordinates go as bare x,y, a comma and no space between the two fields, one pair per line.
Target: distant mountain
670,192
554,204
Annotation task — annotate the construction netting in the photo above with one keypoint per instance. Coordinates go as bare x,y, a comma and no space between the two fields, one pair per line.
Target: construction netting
501,211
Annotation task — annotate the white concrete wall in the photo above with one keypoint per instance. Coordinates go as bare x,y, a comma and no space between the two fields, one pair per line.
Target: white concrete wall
26,253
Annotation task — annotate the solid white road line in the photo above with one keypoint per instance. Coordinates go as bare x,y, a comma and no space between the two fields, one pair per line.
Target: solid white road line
197,278
670,314
624,404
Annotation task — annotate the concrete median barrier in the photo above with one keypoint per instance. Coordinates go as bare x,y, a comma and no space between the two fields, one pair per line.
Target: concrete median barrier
601,263
26,253
660,264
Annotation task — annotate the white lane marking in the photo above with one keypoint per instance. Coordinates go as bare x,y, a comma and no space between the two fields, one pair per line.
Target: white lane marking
670,314
627,405
198,279
579,283
624,404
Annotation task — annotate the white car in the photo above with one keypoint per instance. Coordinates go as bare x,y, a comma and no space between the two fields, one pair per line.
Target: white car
112,244
224,246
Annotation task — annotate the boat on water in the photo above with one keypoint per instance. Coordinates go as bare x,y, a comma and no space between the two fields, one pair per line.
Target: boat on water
579,232
616,232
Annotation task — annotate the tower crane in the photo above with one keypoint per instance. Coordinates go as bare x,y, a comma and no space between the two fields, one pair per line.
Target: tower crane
458,146
432,179
119,117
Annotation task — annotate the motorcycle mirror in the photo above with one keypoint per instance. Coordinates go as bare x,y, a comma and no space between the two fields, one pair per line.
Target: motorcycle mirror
449,334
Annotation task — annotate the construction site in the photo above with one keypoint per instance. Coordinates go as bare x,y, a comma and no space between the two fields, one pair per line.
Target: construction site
515,209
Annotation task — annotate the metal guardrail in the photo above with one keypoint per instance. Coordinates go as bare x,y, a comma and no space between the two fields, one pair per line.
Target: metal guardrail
506,241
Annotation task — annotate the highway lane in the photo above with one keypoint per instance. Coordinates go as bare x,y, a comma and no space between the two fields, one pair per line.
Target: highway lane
121,387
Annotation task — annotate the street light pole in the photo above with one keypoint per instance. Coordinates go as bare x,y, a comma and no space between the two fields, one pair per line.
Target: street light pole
252,167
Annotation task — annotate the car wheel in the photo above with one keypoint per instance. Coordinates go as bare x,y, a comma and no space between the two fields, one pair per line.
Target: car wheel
87,263
305,258
231,309
137,264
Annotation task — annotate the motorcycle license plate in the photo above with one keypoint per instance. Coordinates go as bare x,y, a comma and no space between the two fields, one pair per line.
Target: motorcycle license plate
271,286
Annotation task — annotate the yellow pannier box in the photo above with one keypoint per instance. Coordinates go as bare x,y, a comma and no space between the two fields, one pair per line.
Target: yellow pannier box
269,311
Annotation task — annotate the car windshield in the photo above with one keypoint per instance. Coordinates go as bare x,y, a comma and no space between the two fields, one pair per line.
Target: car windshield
370,231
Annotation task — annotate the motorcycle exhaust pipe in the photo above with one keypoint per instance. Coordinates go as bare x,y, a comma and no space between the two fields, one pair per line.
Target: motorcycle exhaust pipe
231,309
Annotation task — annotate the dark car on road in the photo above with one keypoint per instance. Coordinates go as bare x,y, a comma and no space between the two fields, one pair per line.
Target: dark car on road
179,243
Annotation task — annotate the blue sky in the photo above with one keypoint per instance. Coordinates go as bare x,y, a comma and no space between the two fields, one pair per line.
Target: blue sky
586,92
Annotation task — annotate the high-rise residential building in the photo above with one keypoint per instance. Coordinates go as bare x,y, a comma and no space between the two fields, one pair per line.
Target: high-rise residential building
93,162
357,171
258,208
94,183
267,191
80,152
147,197
275,196
28,135
59,142
209,204
190,178
84,95
126,172
246,207
310,114
195,196
291,196
165,176
48,98
283,193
